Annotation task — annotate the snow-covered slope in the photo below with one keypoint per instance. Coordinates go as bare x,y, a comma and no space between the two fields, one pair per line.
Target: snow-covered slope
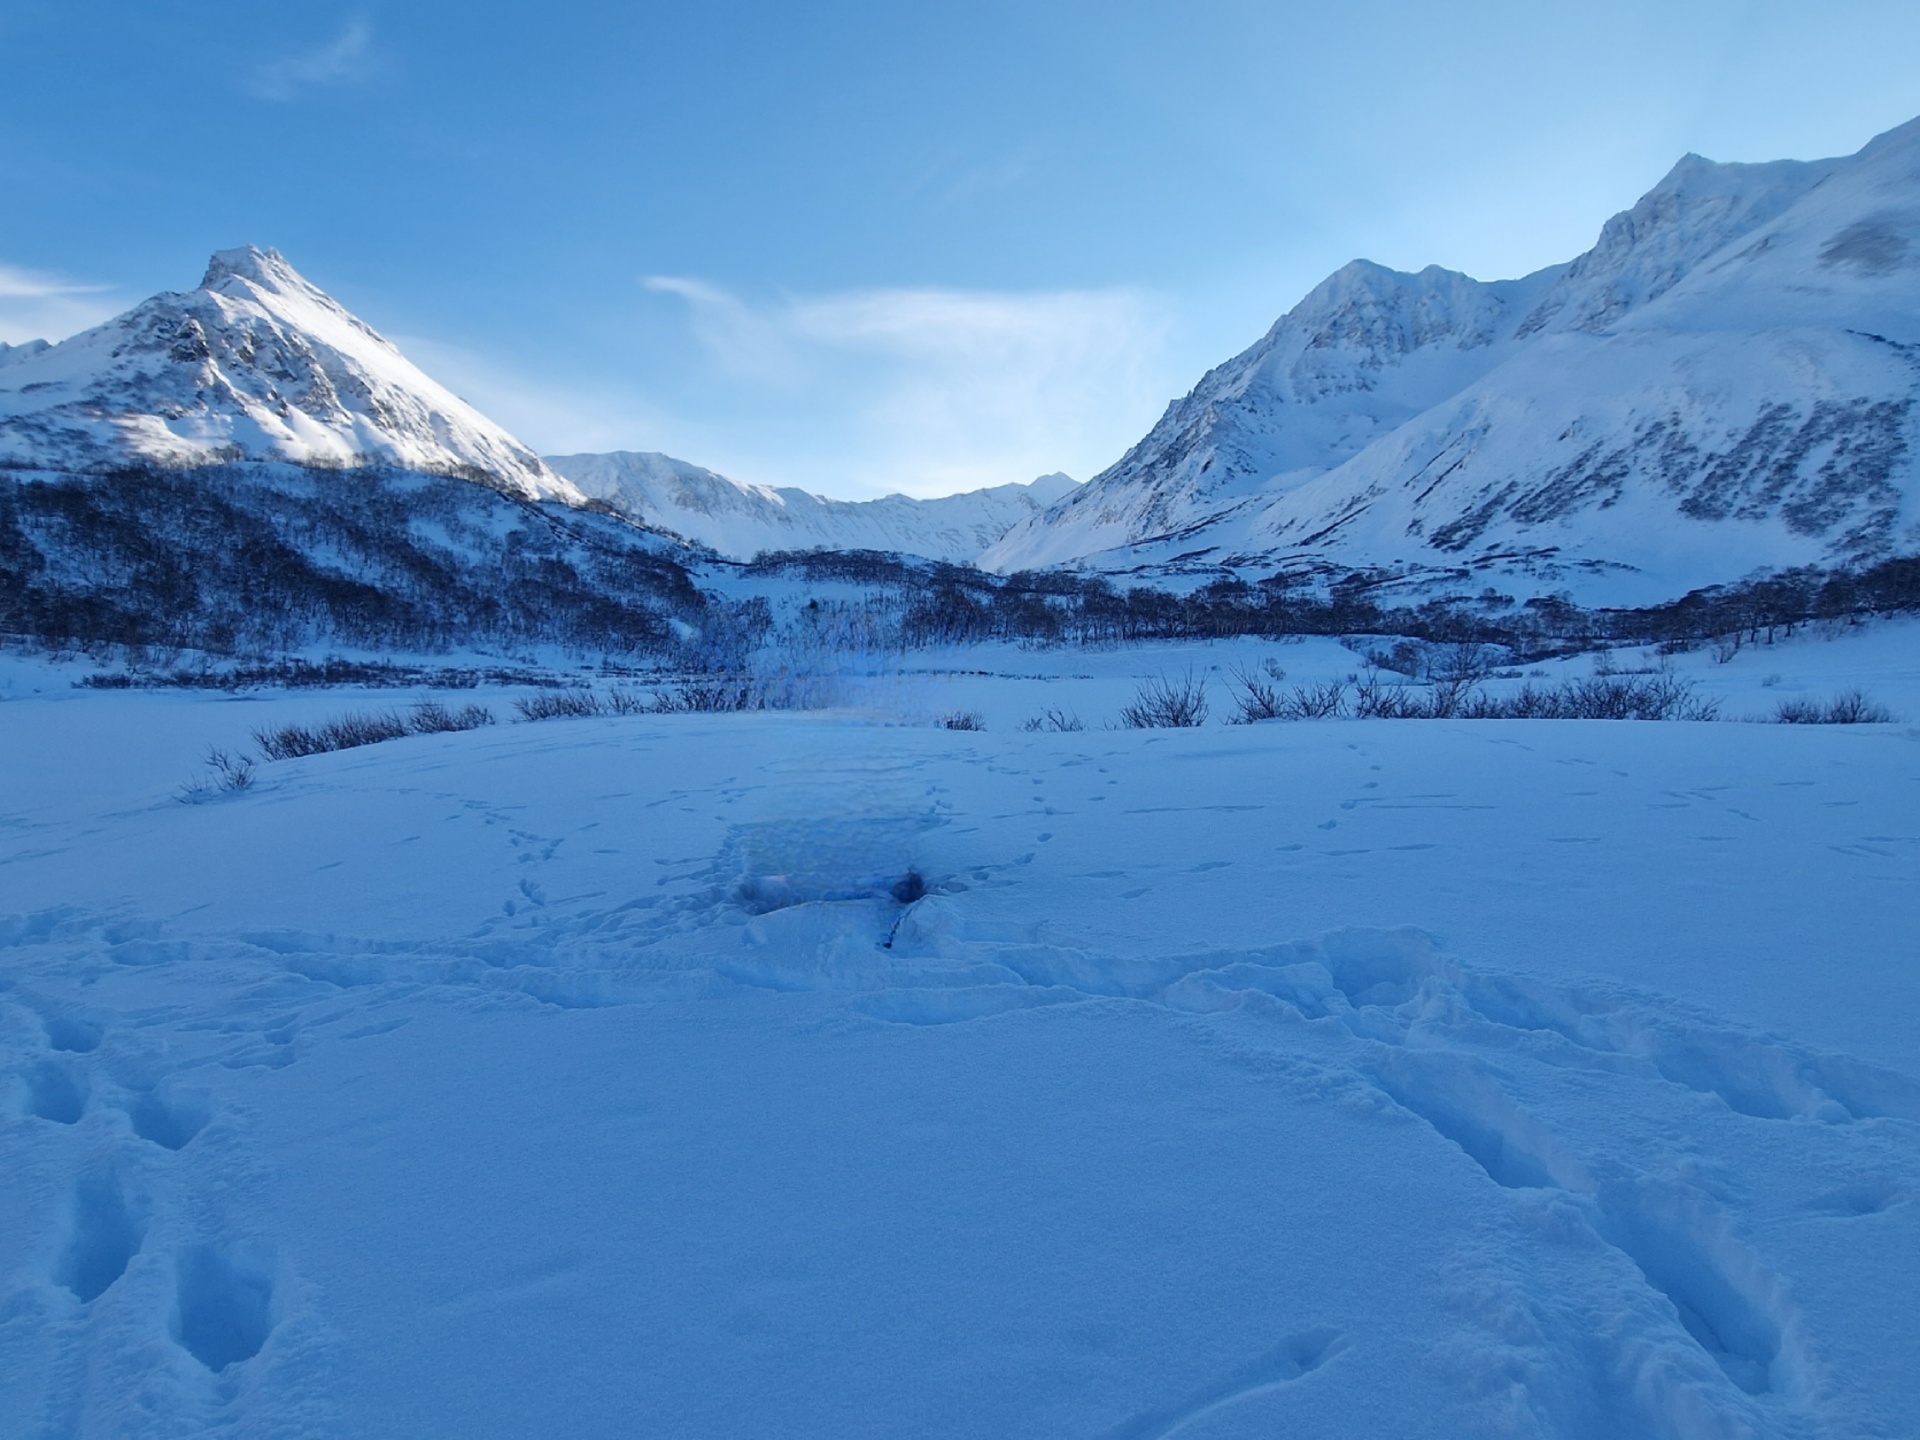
256,364
742,520
1725,382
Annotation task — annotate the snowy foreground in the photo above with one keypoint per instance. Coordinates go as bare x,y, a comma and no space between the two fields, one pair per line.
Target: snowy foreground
1332,1079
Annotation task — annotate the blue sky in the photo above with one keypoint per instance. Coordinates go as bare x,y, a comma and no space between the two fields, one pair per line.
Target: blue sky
866,247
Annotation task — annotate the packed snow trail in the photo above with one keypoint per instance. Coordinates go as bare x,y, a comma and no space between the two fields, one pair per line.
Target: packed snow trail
588,1078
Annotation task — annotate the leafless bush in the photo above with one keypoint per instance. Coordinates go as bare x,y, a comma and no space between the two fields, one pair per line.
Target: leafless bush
1851,707
1444,699
1598,697
709,694
559,705
430,717
344,732
1257,695
962,720
1167,704
1054,719
1316,702
625,702
229,775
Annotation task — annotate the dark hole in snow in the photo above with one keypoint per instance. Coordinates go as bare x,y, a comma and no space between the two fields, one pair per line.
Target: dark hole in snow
225,1308
909,887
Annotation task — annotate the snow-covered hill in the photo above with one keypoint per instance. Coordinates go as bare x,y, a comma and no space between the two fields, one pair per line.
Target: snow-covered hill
742,520
1726,382
256,364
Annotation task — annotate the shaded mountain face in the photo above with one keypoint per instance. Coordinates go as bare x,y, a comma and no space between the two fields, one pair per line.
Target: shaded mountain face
1726,382
739,520
255,364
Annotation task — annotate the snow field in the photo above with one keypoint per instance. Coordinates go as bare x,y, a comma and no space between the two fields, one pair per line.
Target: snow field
1333,1078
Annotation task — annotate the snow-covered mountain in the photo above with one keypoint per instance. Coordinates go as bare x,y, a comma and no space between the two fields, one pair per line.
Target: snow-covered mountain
1726,382
256,364
741,520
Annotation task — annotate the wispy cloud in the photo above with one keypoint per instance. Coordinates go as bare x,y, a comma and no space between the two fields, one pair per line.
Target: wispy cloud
37,306
347,58
933,390
553,416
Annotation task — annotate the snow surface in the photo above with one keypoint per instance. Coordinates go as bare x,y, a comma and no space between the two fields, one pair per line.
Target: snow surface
1338,1079
1725,383
255,364
741,521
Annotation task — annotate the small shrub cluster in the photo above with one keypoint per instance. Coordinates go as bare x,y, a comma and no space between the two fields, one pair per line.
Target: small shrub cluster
559,705
347,732
962,720
1053,718
1850,708
1261,698
1599,697
703,694
430,717
228,774
1166,704
709,695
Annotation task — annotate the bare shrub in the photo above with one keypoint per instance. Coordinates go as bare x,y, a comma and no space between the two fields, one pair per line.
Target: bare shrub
1257,695
347,732
344,732
1054,719
1167,704
1598,697
559,705
289,742
356,728
1316,702
962,720
430,717
709,694
1459,697
229,774
625,702
1852,707
1374,701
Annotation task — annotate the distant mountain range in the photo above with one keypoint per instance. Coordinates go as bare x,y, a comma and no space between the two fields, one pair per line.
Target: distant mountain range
1725,383
258,364
739,520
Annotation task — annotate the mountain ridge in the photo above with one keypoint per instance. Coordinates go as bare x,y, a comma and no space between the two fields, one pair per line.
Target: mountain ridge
739,520
1723,384
254,364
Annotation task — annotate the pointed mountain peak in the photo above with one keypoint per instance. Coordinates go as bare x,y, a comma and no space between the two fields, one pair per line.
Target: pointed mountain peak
266,269
256,364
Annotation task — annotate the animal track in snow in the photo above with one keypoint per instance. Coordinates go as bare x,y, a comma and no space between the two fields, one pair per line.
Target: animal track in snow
223,1308
73,1034
106,1234
53,1093
1430,1035
170,1123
